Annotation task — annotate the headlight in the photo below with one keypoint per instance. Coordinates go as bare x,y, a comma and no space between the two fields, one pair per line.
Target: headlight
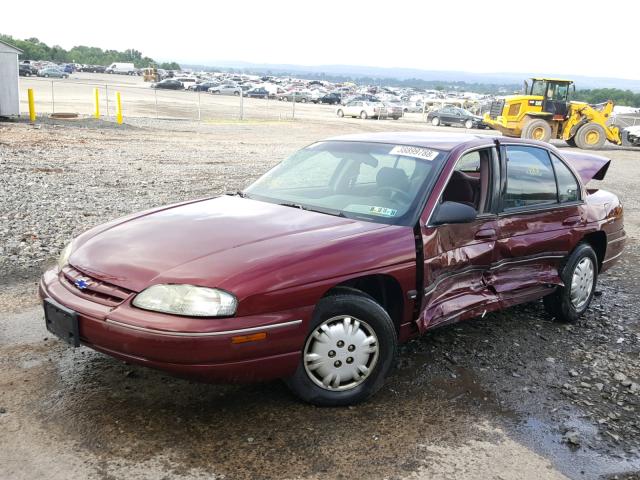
187,300
64,256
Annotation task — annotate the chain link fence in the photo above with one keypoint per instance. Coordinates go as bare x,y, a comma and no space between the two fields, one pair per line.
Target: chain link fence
141,100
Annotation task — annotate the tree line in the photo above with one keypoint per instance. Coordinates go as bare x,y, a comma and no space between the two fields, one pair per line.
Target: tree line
34,49
600,95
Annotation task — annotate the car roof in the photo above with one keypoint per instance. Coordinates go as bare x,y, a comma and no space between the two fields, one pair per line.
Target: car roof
438,141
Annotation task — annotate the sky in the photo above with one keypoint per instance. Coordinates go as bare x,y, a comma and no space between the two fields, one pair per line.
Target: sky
569,37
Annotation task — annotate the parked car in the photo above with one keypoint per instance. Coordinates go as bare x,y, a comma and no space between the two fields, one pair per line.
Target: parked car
359,108
226,90
449,115
26,70
330,98
302,97
168,84
52,72
93,68
258,93
318,270
202,86
186,81
392,110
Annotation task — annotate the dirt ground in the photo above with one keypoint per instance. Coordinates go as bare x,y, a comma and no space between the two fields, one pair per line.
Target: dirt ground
509,396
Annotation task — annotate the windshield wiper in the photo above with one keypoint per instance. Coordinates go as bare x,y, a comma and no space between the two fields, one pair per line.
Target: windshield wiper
293,205
238,193
327,211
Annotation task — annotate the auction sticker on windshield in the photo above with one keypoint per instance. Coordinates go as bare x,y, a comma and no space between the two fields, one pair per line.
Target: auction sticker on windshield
416,152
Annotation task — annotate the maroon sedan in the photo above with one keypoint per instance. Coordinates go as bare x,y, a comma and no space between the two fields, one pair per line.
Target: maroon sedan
319,269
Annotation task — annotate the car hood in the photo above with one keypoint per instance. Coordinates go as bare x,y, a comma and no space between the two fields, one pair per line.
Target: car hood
236,244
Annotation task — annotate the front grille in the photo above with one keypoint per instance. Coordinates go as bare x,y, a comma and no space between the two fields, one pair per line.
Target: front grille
496,108
95,290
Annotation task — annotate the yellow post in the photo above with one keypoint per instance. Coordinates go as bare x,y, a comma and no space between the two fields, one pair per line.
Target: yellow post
97,111
118,109
32,106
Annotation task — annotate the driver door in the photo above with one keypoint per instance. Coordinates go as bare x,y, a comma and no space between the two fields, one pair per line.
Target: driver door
457,257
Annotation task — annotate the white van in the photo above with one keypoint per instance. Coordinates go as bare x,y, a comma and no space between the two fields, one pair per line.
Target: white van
121,68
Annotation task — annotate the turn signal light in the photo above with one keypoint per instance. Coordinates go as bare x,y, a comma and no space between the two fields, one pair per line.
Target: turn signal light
254,337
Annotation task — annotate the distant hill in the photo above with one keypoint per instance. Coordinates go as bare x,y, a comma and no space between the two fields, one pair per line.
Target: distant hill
354,71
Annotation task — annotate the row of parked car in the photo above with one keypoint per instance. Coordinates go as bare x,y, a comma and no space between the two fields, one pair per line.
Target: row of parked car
28,70
246,90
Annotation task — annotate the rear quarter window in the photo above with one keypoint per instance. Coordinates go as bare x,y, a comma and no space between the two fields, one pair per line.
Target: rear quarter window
530,178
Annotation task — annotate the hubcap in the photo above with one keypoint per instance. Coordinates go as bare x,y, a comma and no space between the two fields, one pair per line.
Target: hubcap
341,353
582,283
538,133
592,137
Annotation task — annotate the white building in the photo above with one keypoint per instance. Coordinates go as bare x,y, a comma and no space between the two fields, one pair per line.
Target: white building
9,94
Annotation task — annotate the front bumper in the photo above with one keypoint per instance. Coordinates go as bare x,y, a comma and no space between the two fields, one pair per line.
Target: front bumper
189,347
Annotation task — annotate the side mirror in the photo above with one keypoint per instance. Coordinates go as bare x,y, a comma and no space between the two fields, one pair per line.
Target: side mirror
453,212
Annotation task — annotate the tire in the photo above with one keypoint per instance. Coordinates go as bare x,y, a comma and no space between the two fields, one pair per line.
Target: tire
363,115
303,100
396,118
315,380
340,113
46,75
435,121
236,93
579,272
590,136
537,129
468,124
572,142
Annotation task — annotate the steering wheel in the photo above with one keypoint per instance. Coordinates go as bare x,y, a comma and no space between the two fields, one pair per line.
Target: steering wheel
396,191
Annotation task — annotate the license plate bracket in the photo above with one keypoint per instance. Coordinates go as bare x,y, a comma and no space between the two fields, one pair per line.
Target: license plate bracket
62,322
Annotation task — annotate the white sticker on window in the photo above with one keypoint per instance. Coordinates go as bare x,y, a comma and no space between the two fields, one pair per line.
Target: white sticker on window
417,152
383,212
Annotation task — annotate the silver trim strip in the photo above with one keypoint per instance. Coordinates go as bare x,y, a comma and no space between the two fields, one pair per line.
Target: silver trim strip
612,258
524,260
205,334
620,239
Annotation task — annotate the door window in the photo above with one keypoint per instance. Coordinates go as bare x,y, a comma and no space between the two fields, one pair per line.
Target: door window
568,189
530,178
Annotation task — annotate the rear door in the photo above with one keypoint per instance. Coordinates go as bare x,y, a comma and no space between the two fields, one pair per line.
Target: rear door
458,256
539,218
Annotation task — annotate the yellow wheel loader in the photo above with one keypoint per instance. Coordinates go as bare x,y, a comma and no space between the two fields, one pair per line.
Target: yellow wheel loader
545,111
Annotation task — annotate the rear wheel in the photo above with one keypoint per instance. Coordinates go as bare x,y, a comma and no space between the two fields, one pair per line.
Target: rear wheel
340,113
348,352
303,100
590,136
579,275
537,129
363,115
435,121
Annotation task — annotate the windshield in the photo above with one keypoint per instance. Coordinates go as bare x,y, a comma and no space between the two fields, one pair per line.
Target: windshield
377,182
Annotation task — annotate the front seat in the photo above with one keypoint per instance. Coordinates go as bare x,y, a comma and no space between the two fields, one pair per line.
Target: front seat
459,190
394,178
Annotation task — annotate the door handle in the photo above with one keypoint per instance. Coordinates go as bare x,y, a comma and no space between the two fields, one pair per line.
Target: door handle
485,233
572,220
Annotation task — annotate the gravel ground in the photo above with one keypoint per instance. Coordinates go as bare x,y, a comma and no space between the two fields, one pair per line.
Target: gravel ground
513,395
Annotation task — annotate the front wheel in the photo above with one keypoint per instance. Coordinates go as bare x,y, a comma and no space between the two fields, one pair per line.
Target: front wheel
340,113
579,275
363,115
348,352
468,124
590,136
